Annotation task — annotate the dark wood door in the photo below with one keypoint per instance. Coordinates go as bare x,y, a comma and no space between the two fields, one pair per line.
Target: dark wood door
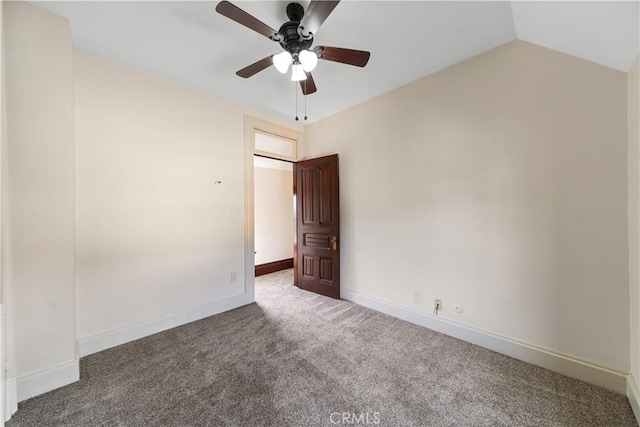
317,261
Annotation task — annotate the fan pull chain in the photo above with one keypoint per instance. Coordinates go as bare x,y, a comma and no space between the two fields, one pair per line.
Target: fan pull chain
305,100
296,92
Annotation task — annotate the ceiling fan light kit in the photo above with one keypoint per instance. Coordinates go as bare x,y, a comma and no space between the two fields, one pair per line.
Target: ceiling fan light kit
281,61
308,59
297,72
305,61
296,38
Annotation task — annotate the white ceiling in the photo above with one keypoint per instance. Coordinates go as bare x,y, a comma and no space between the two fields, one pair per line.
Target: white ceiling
604,32
190,43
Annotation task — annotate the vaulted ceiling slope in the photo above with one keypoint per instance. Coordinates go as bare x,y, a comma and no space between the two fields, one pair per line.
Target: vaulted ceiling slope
190,43
605,32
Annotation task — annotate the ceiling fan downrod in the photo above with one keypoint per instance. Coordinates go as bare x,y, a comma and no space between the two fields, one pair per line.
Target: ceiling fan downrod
295,12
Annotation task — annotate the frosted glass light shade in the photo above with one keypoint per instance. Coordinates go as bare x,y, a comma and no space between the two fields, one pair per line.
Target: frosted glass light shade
308,59
281,61
297,73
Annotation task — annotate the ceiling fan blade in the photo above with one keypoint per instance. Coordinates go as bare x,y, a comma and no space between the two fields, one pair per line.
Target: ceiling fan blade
317,13
256,67
234,13
308,86
359,58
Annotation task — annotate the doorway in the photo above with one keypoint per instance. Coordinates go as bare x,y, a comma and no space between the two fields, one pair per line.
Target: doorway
275,142
274,229
314,204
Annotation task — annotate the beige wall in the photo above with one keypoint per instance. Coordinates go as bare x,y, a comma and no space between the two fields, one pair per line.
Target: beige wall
633,100
156,235
8,394
274,222
38,198
157,242
500,185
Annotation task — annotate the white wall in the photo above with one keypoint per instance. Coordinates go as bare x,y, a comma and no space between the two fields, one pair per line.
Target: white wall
633,111
38,195
499,184
156,235
274,221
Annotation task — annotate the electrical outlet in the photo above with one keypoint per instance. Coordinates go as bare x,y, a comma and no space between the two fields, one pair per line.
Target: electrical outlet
458,309
417,297
437,305
234,277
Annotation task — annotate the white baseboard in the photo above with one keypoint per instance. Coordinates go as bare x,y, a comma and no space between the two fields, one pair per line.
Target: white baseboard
105,340
10,392
633,394
47,379
570,366
11,403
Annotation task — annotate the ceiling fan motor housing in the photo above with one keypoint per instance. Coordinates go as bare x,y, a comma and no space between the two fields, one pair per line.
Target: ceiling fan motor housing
292,42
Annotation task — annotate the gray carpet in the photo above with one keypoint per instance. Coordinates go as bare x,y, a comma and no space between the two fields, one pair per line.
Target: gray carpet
295,358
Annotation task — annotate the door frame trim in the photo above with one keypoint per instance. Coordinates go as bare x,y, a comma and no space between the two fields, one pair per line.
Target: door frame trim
251,125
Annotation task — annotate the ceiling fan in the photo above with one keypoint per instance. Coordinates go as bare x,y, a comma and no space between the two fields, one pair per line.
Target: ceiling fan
296,40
